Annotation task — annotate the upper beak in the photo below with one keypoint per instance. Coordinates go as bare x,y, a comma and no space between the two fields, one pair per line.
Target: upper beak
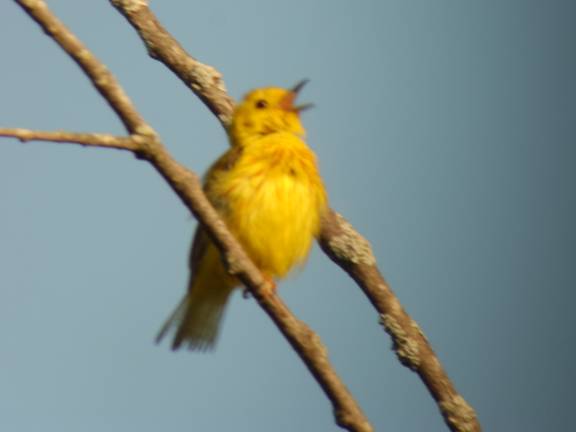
299,86
288,102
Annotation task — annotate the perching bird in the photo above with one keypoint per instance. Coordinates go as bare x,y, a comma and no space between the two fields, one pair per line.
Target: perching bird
268,190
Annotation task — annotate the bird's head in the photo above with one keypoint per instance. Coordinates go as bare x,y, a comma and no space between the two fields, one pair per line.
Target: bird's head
265,111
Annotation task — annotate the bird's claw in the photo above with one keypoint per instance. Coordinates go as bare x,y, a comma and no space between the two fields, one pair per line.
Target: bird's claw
268,289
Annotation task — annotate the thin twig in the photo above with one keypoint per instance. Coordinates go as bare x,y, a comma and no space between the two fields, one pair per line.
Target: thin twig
345,246
86,139
188,187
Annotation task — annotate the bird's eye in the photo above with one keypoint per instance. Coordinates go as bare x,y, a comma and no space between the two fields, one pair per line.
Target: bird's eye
261,104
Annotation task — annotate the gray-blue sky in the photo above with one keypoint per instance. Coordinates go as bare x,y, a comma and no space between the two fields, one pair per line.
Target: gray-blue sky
446,134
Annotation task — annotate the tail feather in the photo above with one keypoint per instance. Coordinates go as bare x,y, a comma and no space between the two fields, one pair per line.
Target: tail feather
197,319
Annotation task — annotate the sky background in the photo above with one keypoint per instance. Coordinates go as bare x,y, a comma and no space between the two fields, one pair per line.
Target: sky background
446,134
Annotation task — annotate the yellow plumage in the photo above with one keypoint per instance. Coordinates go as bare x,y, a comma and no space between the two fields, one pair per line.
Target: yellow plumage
268,190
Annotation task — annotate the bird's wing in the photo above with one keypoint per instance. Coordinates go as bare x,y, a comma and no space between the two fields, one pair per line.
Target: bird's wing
199,244
201,239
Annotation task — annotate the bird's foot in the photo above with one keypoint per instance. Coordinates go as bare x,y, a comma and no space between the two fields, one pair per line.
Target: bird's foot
268,289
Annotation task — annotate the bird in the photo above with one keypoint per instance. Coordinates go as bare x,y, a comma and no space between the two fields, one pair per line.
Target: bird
268,190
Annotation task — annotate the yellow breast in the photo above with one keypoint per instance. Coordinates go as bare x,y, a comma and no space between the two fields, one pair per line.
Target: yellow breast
272,199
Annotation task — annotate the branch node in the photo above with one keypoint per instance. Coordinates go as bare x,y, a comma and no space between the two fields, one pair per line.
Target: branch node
146,131
315,341
458,414
232,264
130,5
406,348
351,423
349,245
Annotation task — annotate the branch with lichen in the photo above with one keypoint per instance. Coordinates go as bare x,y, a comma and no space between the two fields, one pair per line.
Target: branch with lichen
347,248
344,245
145,143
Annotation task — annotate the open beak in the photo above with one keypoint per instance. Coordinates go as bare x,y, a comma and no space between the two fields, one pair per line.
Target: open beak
288,102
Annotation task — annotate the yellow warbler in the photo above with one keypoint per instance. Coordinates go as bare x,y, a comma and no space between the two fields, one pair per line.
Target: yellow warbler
268,190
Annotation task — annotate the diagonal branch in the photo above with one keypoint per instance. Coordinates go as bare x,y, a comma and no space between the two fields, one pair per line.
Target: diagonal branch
353,253
302,339
345,246
205,81
144,142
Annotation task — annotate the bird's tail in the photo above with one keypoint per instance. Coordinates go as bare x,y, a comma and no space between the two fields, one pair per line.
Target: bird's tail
197,318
